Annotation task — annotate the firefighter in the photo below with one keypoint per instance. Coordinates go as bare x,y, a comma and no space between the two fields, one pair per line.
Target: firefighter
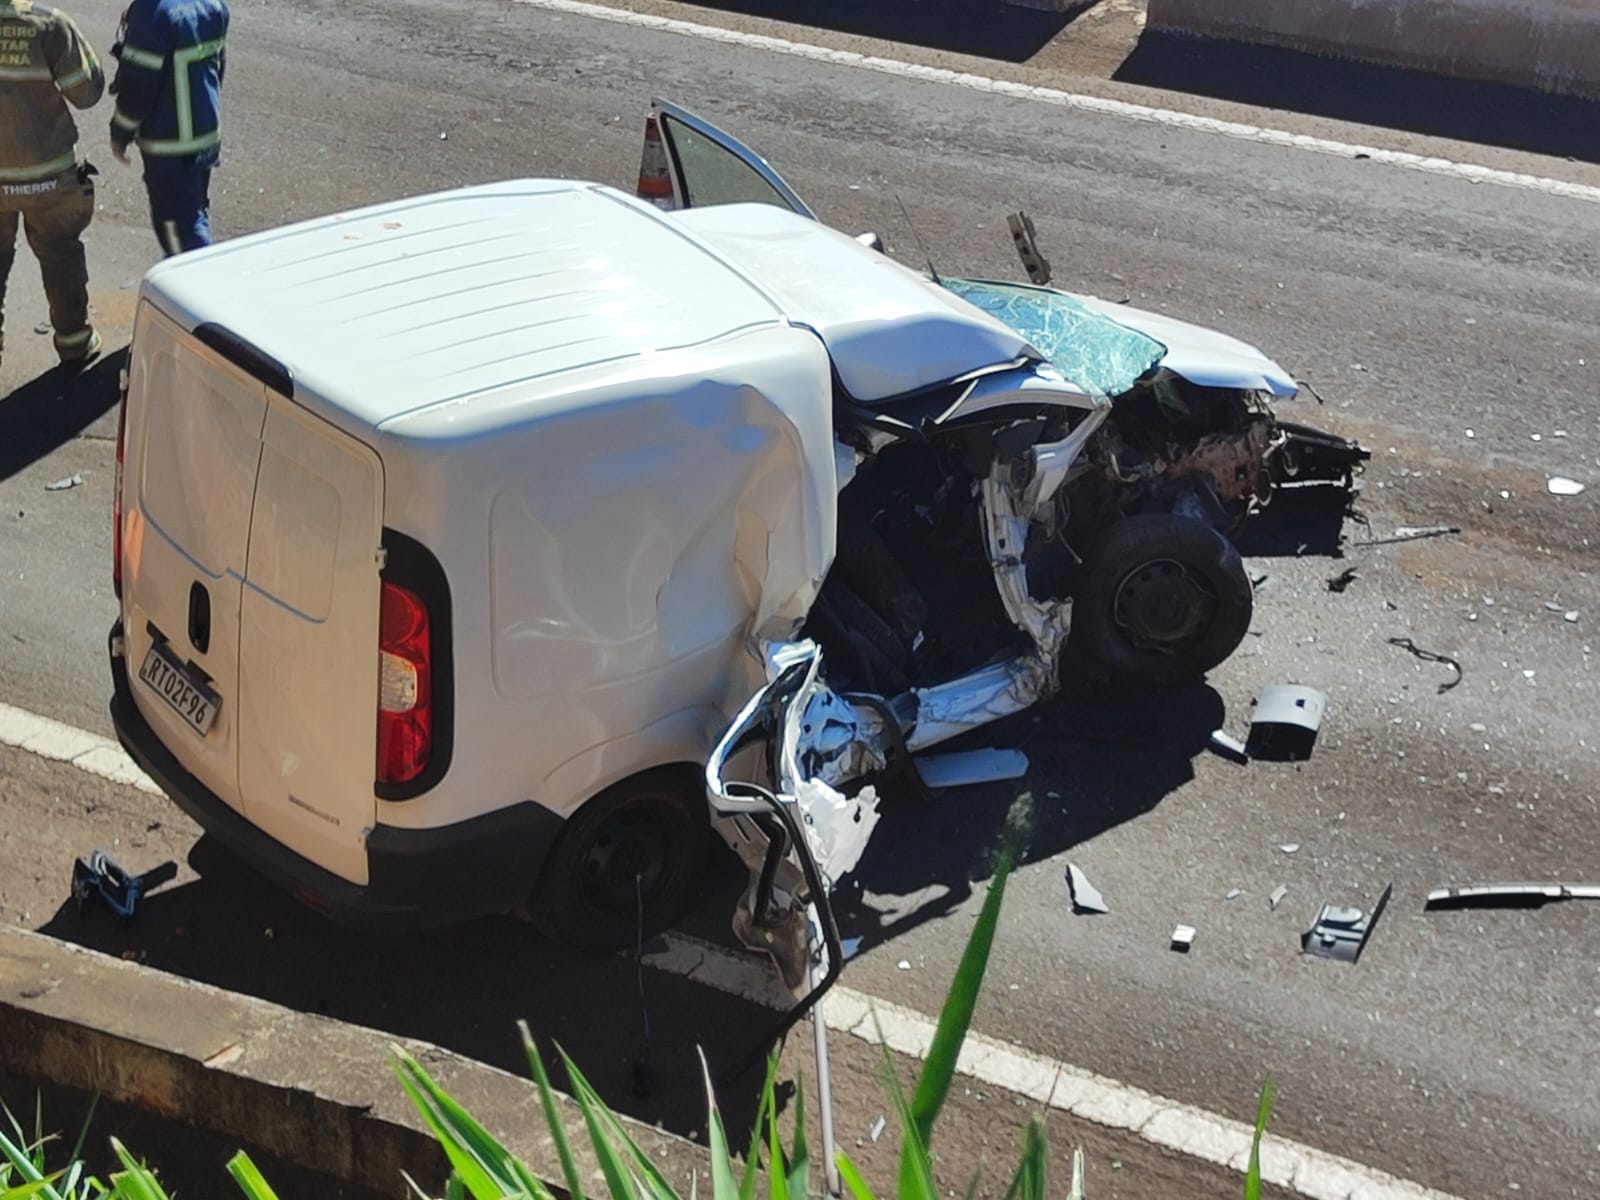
45,63
170,59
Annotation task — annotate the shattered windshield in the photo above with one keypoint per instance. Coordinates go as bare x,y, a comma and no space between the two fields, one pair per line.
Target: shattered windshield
1092,351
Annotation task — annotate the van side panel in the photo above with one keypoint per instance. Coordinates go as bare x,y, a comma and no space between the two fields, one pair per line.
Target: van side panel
193,441
308,662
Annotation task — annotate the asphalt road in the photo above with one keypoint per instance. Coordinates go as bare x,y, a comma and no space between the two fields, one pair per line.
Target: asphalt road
1450,326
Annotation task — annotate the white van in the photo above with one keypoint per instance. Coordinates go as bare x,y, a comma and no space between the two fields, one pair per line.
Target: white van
455,534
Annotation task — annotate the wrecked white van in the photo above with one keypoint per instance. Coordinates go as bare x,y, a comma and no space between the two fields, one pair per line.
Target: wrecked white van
463,541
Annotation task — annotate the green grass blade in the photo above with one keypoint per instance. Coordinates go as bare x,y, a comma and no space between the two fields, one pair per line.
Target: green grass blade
22,1161
799,1157
135,1181
249,1178
1028,1182
83,1133
552,1115
38,1189
850,1176
765,1123
1252,1175
777,1169
916,1165
646,1172
722,1184
955,1018
598,1119
486,1168
1075,1192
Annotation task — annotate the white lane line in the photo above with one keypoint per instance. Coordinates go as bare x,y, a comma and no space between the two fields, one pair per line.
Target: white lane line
1470,172
1059,1085
66,743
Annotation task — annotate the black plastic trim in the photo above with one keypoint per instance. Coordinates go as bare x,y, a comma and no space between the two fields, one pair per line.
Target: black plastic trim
257,364
417,878
411,565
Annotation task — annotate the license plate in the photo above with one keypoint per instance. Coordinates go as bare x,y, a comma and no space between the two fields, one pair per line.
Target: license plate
189,698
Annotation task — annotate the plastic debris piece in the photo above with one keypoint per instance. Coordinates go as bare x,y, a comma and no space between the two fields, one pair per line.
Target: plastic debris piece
1234,893
850,947
1412,533
1342,933
1338,583
878,1127
1278,893
1086,898
1285,722
1509,895
970,767
1571,616
1228,746
61,485
101,877
1430,656
1560,485
1289,847
903,965
1182,938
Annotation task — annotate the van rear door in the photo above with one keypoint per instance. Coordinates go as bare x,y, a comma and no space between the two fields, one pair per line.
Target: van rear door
193,442
308,661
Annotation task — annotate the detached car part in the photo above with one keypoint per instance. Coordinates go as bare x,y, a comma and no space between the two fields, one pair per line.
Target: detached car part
1285,722
1509,895
1341,933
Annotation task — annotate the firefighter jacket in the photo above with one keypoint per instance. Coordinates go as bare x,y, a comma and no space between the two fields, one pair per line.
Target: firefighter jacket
170,58
43,58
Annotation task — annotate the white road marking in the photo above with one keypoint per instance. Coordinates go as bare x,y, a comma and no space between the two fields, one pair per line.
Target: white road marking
1470,172
1157,1120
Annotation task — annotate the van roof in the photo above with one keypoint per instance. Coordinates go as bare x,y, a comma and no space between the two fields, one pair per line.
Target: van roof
508,287
384,310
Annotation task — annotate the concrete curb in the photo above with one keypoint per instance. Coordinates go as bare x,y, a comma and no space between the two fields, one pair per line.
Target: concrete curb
313,1090
1548,45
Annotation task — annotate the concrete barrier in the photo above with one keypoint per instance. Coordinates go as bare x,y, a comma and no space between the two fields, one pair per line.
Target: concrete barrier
1550,45
310,1089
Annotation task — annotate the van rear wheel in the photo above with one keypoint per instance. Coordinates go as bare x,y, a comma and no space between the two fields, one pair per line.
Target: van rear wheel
635,850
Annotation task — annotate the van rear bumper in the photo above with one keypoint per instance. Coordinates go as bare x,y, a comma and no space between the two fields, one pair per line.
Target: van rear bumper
417,877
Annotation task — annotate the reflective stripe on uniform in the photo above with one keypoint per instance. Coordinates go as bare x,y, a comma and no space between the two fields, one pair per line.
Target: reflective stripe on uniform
182,60
67,82
143,58
25,75
170,238
171,147
39,171
123,121
72,340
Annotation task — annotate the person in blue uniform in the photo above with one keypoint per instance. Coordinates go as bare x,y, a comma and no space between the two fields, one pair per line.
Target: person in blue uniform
170,60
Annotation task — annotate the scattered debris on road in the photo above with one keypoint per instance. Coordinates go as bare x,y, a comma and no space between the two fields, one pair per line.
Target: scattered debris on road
1234,893
1086,898
1406,643
1341,933
101,877
1509,895
1411,533
1278,893
1338,583
878,1127
1225,744
1284,725
1560,485
61,485
1182,938
1289,847
970,767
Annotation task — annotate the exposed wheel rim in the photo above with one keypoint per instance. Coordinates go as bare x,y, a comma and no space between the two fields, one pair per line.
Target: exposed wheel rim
1164,606
628,856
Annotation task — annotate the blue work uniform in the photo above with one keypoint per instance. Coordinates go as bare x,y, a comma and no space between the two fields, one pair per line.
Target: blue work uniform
171,55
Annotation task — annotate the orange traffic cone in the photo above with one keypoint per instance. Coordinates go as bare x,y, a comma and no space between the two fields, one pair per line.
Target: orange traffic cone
655,181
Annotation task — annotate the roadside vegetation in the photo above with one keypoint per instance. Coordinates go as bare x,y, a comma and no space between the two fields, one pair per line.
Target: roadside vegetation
481,1168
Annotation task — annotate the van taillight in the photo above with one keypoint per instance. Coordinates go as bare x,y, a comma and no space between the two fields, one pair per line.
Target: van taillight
405,686
116,491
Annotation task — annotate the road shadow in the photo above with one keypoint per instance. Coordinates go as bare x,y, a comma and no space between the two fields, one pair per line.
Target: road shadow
634,1033
1095,761
54,408
1298,522
984,28
1271,77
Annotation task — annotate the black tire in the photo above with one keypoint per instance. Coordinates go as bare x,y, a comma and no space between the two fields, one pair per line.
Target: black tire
655,827
1164,600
